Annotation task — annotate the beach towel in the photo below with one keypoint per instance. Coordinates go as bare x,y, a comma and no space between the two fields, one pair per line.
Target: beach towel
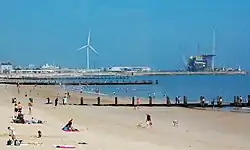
71,130
66,129
65,146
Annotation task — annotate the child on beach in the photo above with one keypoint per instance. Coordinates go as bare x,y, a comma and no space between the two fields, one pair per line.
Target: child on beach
148,120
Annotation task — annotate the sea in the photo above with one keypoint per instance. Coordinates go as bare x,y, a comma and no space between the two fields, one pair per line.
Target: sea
191,86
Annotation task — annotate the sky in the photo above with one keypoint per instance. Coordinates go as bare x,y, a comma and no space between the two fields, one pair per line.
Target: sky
154,33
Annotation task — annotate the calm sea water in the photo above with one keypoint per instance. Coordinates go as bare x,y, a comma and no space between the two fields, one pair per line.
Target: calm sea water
191,86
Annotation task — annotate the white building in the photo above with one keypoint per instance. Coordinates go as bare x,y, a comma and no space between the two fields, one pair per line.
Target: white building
129,69
6,67
49,67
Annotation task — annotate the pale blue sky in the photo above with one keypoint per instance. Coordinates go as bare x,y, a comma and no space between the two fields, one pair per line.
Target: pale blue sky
129,32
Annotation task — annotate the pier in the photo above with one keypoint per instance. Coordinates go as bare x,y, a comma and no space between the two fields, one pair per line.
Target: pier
94,77
48,82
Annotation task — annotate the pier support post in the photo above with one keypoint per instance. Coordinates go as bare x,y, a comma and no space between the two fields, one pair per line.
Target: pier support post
116,100
98,101
81,100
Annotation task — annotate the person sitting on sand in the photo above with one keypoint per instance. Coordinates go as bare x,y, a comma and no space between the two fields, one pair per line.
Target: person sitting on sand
148,120
12,133
69,127
19,119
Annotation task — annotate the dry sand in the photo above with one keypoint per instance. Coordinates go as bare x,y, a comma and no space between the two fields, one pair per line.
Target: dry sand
114,128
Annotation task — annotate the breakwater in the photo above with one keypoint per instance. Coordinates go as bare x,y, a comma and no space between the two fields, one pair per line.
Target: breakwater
238,102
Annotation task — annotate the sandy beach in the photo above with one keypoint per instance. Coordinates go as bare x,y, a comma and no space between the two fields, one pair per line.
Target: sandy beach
113,128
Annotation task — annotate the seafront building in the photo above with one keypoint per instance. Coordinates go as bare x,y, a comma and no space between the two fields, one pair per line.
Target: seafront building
9,69
6,67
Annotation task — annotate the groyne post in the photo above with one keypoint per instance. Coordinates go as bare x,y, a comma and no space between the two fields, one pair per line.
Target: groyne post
185,101
116,100
235,101
133,101
98,101
202,101
168,101
238,101
150,100
81,100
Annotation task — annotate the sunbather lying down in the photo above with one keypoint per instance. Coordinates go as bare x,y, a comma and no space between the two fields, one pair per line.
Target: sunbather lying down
25,121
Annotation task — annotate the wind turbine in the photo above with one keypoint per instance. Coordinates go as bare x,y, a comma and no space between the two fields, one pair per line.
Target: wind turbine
88,47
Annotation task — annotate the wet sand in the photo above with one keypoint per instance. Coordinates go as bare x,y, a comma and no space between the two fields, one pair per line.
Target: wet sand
113,128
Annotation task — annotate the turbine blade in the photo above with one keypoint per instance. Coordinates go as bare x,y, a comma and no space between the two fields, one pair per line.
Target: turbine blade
93,49
89,38
82,47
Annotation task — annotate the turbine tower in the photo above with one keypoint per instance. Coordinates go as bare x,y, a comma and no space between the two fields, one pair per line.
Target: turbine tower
88,47
214,48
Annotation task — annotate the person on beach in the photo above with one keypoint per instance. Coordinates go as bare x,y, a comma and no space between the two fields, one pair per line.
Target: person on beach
69,126
138,101
15,109
56,101
64,100
30,105
19,107
12,133
148,120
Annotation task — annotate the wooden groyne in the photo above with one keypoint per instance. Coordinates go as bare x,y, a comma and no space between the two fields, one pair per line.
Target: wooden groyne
151,103
47,82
